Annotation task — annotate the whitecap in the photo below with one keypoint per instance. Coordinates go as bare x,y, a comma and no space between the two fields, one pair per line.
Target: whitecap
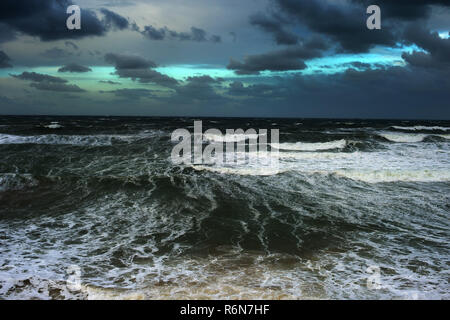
423,128
403,137
305,146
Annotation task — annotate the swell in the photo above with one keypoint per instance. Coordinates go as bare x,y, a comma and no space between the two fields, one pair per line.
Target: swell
77,140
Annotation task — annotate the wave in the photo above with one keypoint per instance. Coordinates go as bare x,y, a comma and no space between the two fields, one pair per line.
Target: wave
403,137
230,137
378,176
248,171
14,182
54,125
77,140
410,137
421,128
368,176
305,146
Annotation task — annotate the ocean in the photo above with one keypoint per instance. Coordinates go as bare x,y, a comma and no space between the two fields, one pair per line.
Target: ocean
94,208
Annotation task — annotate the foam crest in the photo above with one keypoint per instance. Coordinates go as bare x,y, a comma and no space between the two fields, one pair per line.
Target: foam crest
421,128
230,137
403,137
53,139
305,146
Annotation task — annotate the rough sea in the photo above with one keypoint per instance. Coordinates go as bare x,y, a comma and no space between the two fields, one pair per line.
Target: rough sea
357,209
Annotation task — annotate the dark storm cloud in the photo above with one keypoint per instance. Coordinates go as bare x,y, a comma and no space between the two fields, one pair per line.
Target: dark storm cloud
122,61
195,34
405,10
396,92
291,58
58,87
438,49
138,69
74,67
7,33
38,77
133,94
4,60
109,82
146,76
345,24
204,79
47,19
274,27
113,20
196,91
153,33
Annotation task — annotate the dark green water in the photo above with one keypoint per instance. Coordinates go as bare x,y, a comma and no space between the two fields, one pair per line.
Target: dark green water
102,194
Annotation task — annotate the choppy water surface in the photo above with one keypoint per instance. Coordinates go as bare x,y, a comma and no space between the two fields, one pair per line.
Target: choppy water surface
103,194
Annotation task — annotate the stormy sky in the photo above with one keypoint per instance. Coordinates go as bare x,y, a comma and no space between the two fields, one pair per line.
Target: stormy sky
255,58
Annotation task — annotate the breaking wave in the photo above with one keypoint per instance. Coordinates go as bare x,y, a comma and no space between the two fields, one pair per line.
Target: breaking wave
76,140
403,137
410,137
305,146
421,128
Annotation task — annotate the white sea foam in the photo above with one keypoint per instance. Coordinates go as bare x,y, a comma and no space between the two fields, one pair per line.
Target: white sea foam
54,125
79,140
375,176
243,171
305,146
422,128
403,137
230,137
401,162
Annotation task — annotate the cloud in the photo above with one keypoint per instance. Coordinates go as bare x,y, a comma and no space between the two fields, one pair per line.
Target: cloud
38,77
274,27
71,44
113,20
109,82
215,38
343,23
58,87
437,53
138,69
195,34
153,33
395,92
146,76
197,89
4,60
404,10
74,67
56,53
47,19
7,33
281,60
237,88
122,61
134,94
204,79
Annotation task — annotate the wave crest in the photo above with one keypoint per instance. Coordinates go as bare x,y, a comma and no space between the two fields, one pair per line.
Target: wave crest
309,146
